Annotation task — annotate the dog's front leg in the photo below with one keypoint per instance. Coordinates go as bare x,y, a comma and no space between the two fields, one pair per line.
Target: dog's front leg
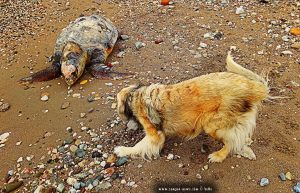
149,146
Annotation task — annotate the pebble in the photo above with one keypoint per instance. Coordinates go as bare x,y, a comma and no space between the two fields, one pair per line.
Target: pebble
83,82
289,176
132,183
82,115
65,105
109,84
111,159
124,37
198,176
12,186
73,148
123,181
296,188
4,106
121,161
282,176
103,186
76,95
203,45
4,137
90,98
114,105
60,187
103,164
170,156
71,181
205,167
96,154
264,182
240,10
20,160
296,45
139,45
286,52
80,153
158,41
44,98
121,54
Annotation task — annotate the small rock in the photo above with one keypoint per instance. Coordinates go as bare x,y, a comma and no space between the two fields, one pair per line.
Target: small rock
4,107
140,166
76,95
82,115
124,37
12,186
73,148
95,182
83,82
296,188
123,181
264,182
121,54
132,183
121,161
240,10
103,186
4,137
158,41
282,176
80,153
139,45
90,98
65,105
198,176
203,45
287,52
20,160
205,167
109,84
44,98
96,154
69,129
103,164
170,156
114,105
71,181
296,45
60,187
111,159
289,176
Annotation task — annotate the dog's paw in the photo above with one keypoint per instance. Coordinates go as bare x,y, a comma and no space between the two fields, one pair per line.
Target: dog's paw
121,151
215,157
247,152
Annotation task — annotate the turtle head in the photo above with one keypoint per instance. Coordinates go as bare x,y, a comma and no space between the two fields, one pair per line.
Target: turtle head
73,62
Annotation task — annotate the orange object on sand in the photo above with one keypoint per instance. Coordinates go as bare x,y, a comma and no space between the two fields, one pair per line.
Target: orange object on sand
295,31
165,2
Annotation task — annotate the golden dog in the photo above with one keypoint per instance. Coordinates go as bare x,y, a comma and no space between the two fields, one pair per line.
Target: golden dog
222,104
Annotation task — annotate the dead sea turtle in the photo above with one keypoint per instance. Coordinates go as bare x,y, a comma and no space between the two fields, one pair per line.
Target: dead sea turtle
84,44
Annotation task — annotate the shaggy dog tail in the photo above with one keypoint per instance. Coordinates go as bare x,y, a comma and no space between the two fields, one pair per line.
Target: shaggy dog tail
234,67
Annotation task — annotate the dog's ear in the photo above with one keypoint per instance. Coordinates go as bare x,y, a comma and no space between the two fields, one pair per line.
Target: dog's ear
121,100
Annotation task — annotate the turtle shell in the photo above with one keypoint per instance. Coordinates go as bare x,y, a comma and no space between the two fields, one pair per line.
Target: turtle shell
92,31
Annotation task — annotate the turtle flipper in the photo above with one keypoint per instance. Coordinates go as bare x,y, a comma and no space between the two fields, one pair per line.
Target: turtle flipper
101,71
49,73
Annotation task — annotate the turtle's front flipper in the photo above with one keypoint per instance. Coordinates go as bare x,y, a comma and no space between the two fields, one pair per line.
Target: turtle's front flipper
49,73
101,71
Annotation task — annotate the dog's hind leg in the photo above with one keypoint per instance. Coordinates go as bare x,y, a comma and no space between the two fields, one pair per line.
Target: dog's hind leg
220,155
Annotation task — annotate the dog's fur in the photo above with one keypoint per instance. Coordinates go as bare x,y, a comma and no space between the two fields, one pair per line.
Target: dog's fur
223,104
